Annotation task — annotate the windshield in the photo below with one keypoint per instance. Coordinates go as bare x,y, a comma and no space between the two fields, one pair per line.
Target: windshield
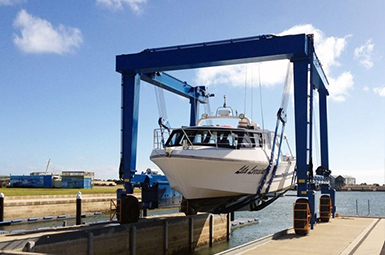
212,137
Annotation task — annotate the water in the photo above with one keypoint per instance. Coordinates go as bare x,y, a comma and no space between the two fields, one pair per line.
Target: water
346,203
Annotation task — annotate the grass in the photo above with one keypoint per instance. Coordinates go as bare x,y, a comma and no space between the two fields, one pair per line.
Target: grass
57,191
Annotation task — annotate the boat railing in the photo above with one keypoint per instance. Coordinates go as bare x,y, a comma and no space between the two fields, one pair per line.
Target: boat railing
160,139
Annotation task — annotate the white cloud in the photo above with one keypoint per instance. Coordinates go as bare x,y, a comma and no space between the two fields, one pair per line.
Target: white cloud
340,86
10,2
380,91
135,5
366,88
39,36
328,49
271,72
364,54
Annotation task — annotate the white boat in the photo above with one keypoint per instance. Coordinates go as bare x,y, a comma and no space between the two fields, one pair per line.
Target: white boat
222,168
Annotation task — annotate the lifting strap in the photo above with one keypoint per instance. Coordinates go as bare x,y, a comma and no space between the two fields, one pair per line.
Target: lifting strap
163,120
281,119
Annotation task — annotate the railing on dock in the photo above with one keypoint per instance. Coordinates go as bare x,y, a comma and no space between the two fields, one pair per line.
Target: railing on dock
368,209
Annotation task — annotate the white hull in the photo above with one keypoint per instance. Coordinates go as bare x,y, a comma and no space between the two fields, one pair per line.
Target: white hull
226,173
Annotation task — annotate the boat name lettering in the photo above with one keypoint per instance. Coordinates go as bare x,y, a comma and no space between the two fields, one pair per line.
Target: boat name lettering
247,170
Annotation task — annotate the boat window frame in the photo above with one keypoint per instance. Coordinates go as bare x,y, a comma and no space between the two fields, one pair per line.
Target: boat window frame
230,138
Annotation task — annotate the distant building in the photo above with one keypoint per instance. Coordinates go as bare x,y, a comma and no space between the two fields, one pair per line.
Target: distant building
30,181
343,180
77,179
65,179
349,180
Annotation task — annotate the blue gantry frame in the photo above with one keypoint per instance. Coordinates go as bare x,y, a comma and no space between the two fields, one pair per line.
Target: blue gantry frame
150,65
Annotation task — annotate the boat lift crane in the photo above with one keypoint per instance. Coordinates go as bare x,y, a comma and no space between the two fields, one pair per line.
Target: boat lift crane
150,66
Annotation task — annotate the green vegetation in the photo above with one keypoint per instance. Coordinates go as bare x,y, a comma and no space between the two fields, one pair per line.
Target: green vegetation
57,191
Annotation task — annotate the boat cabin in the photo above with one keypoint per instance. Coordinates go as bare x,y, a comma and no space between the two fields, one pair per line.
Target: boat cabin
219,137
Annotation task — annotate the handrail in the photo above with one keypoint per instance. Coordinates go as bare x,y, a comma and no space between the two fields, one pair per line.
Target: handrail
208,118
368,209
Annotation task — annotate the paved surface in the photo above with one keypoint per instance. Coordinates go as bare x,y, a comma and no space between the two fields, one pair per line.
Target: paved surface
344,235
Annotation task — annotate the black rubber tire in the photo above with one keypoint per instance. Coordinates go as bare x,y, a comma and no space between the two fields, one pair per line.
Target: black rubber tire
325,208
130,210
302,217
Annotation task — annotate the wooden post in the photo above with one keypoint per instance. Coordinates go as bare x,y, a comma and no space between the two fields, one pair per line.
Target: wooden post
165,238
133,240
79,208
191,233
228,219
211,230
1,207
90,243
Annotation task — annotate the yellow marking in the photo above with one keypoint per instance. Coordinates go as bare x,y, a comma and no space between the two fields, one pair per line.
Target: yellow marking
126,180
304,192
301,180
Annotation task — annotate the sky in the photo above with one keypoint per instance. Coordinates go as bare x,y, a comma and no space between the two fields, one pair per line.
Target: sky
60,96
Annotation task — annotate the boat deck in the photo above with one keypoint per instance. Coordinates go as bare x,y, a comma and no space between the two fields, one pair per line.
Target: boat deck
342,235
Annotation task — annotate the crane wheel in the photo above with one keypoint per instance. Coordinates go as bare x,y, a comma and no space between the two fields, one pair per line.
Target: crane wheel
129,209
325,208
301,215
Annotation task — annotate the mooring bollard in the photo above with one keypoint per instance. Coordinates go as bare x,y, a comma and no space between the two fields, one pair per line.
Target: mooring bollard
78,208
1,207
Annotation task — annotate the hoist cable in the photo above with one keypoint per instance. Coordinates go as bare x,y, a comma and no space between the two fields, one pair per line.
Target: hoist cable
260,97
281,119
251,95
244,109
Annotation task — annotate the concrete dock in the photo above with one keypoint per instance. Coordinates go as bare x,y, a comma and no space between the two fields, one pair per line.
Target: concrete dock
342,235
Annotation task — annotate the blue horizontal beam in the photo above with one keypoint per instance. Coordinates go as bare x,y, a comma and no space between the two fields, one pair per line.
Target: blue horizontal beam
172,84
228,52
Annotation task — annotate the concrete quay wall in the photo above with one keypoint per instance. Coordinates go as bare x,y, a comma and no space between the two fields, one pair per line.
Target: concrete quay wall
40,206
167,235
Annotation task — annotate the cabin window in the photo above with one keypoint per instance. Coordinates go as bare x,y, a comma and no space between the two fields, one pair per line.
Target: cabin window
220,138
202,137
244,141
257,139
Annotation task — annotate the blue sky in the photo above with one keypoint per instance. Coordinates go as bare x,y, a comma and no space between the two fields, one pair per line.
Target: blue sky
60,95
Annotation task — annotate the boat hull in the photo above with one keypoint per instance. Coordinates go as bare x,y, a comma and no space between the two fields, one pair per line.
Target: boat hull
199,177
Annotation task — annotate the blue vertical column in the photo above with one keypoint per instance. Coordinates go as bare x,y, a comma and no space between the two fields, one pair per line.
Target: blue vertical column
130,114
323,127
323,93
301,119
193,111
